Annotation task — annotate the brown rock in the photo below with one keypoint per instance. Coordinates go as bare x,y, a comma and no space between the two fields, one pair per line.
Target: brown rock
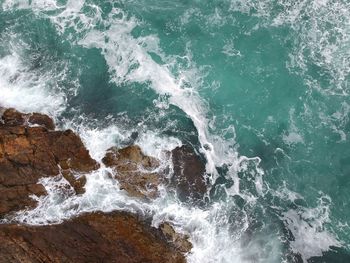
2,110
134,171
116,238
42,120
12,117
189,171
76,181
180,241
28,153
16,197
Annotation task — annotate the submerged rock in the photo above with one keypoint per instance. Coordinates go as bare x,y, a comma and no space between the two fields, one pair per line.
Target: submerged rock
31,149
115,237
189,172
136,173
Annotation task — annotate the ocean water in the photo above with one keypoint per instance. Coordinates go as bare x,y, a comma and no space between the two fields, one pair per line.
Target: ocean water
260,88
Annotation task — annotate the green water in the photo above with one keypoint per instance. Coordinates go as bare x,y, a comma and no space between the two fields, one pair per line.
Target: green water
270,78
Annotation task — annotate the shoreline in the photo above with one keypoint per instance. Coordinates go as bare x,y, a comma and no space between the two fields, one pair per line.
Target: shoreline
31,148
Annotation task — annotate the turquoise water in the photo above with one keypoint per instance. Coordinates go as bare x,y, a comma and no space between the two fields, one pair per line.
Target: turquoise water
259,88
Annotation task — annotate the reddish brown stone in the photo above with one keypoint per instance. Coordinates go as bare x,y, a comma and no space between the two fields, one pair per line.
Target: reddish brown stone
12,117
116,238
28,153
42,120
134,171
180,241
16,197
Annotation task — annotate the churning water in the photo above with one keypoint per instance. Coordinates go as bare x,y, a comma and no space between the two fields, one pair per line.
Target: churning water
259,87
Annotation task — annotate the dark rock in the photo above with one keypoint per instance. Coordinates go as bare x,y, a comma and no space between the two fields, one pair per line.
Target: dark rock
134,171
28,153
189,172
131,140
116,237
134,135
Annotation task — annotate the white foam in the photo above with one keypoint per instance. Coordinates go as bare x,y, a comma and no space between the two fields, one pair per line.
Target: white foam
34,4
25,89
321,37
293,135
308,227
230,50
129,62
98,141
154,145
208,229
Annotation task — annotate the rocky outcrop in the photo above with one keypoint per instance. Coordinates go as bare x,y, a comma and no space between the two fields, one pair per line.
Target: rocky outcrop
29,150
188,178
140,175
11,117
116,237
136,173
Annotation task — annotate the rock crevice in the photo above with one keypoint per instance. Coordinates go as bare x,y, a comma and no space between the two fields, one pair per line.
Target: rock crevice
31,148
115,237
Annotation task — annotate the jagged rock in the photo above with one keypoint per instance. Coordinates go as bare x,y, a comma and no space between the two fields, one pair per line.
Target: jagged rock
189,171
76,181
180,241
42,120
28,153
11,117
135,172
139,174
31,149
115,237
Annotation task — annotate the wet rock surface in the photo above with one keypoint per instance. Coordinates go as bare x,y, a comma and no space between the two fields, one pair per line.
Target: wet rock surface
29,150
189,171
136,173
115,237
180,241
140,175
12,117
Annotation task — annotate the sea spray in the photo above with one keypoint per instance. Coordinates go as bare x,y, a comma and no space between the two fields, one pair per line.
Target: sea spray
261,85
